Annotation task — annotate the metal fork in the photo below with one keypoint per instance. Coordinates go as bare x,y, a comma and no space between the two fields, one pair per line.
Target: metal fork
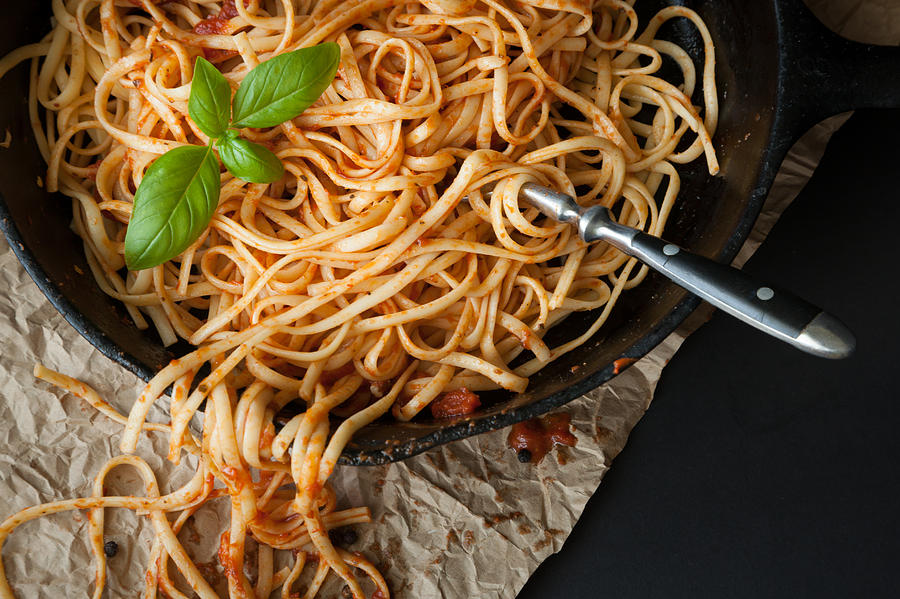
773,311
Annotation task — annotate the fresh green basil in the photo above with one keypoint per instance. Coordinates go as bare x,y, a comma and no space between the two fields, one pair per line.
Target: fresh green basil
210,102
249,161
283,87
180,191
173,206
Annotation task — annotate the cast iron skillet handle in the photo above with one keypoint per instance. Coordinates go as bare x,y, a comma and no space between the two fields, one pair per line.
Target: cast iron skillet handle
776,312
823,73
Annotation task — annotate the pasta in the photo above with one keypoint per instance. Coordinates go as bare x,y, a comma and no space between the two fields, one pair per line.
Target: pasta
391,266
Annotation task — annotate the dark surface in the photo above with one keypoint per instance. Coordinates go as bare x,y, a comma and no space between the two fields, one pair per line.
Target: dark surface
759,471
772,56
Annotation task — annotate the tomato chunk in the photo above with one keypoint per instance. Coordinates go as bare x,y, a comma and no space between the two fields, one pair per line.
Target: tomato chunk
458,402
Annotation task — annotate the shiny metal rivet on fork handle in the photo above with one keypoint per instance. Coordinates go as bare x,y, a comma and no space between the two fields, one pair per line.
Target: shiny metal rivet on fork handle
780,314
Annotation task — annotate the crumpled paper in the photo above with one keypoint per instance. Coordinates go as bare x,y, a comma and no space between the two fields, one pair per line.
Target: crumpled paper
465,520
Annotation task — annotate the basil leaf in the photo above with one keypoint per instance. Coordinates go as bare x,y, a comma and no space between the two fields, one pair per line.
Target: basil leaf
281,88
249,161
210,102
172,206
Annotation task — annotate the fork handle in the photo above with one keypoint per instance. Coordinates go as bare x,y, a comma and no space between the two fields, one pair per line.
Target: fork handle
773,311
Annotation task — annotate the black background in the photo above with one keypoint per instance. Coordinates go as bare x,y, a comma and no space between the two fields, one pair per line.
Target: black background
759,471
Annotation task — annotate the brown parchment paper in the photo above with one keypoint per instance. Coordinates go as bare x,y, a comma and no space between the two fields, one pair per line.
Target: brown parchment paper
466,520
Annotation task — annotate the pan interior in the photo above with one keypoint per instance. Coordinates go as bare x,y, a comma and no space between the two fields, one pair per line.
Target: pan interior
712,217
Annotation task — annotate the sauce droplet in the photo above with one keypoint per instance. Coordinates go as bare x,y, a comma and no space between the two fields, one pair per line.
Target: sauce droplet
533,439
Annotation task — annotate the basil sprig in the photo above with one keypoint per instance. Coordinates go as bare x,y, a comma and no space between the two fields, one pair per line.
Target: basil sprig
210,102
281,88
172,206
249,161
179,193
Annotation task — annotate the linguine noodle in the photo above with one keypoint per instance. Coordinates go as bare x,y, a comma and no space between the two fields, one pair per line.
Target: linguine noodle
378,275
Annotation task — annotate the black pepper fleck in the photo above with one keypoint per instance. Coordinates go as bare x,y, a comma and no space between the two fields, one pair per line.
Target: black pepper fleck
343,537
524,456
110,548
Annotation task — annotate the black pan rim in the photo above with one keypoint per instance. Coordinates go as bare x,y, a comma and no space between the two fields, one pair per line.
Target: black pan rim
73,316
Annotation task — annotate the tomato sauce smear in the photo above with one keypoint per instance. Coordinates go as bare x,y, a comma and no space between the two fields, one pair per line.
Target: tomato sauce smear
227,559
459,402
219,24
533,439
622,363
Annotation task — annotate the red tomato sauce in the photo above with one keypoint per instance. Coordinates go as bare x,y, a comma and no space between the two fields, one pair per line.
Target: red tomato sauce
622,363
539,435
227,558
218,24
458,402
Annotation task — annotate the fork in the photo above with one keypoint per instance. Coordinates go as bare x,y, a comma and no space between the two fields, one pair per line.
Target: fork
771,310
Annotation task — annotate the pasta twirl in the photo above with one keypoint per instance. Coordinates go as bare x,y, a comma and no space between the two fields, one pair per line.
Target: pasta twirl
378,274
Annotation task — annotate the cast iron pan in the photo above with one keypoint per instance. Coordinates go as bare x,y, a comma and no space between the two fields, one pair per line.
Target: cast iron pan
779,72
